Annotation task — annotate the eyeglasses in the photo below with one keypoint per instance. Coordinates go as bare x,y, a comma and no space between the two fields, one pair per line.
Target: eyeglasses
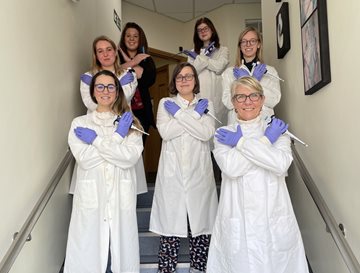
204,29
187,77
241,98
101,88
248,42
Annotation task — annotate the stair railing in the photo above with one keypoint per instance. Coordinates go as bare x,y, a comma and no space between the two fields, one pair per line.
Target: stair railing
25,232
331,224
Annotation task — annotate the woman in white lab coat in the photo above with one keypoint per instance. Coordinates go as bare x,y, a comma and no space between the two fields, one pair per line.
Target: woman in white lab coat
105,57
210,60
104,203
255,230
185,198
249,62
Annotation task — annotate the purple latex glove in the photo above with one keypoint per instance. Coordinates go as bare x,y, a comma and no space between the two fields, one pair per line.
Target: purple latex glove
127,78
240,72
201,106
227,137
276,128
191,54
85,78
85,134
210,49
171,107
259,71
124,124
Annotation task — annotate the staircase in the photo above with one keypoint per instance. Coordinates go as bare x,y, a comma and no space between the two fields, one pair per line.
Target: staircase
149,242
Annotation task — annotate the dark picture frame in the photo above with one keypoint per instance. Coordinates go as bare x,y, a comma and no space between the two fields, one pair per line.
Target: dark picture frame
283,30
315,45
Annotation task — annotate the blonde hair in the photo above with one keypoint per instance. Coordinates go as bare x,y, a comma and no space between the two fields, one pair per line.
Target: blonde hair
259,53
96,65
249,82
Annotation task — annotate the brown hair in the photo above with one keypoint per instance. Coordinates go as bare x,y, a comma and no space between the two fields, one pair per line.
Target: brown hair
177,70
120,105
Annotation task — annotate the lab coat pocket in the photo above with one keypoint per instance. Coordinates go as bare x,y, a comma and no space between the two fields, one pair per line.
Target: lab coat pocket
127,194
169,164
86,194
284,233
228,237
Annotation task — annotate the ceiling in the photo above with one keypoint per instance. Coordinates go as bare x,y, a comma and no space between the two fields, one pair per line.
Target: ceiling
184,10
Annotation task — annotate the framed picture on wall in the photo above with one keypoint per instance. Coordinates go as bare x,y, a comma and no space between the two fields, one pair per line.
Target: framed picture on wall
315,45
283,30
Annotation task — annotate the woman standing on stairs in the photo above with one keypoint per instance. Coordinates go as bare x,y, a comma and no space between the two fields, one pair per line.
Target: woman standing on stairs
185,197
103,219
255,229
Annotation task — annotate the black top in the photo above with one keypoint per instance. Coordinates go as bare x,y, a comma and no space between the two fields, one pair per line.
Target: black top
146,115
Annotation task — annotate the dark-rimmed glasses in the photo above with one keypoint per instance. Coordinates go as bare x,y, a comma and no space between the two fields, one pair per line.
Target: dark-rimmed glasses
249,42
101,88
204,29
187,77
241,98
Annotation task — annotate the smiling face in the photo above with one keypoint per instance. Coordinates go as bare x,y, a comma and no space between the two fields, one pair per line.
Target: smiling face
248,109
249,44
105,54
185,83
106,98
132,38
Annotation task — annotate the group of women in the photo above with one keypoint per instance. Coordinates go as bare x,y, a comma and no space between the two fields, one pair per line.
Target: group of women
252,227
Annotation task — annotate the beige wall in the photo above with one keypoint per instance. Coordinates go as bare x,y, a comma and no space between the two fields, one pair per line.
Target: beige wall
167,34
45,46
326,120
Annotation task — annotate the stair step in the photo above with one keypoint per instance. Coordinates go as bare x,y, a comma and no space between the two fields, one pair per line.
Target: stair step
143,219
144,200
152,268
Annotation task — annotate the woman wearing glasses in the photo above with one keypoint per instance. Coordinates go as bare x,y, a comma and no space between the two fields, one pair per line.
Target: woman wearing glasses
210,60
249,62
255,229
105,57
185,198
103,220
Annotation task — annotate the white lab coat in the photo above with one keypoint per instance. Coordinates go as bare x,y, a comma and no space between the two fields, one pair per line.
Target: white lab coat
209,70
255,230
270,85
129,91
185,184
104,204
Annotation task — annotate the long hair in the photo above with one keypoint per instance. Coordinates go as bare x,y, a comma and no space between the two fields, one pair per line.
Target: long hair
143,44
96,65
198,44
120,105
259,52
177,70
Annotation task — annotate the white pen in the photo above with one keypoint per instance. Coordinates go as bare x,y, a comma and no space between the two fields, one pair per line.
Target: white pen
291,135
132,126
211,115
267,72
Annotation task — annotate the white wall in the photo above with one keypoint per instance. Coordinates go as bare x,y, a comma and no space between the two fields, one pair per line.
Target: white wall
167,34
327,119
46,45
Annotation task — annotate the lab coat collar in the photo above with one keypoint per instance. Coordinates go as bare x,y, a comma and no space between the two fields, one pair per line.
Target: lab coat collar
185,102
252,121
103,118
